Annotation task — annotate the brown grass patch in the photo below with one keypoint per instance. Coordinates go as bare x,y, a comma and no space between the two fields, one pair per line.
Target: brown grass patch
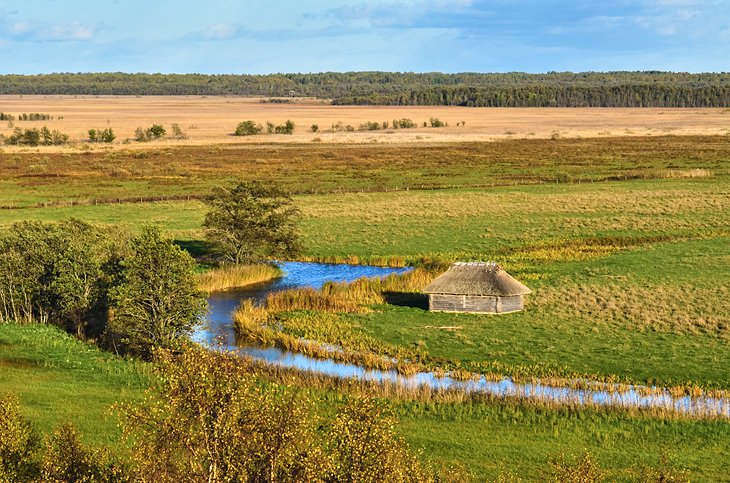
682,309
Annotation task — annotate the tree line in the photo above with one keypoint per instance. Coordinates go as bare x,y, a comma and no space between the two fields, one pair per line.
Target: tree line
515,89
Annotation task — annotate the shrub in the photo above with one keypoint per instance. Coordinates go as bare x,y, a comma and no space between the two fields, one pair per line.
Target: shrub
286,128
17,442
247,128
403,123
436,122
67,459
157,302
101,135
314,128
369,126
177,131
582,469
156,131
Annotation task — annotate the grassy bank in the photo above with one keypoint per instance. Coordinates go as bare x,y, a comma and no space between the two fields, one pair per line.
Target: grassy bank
60,379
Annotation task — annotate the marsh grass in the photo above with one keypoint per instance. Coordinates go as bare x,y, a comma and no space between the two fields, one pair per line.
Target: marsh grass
683,309
235,276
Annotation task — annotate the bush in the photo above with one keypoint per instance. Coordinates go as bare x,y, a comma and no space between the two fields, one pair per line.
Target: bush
177,131
247,128
436,122
36,137
583,469
67,459
314,128
369,126
101,135
156,131
17,442
286,128
403,123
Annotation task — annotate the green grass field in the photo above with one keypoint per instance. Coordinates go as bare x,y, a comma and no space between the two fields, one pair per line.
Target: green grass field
629,278
61,379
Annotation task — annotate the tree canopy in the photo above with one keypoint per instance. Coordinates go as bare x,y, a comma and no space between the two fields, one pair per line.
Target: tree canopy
252,222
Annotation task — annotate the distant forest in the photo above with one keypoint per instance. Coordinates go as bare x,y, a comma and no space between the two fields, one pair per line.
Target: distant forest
554,89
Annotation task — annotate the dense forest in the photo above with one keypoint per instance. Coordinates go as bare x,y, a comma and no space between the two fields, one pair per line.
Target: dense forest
554,89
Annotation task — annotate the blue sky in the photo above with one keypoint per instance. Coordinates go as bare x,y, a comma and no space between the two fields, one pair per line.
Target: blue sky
255,36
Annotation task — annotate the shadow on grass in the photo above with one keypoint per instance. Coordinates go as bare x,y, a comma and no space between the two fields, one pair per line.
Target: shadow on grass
404,299
200,250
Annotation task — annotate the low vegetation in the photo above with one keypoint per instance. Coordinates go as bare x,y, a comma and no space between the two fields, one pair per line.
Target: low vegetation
234,276
36,137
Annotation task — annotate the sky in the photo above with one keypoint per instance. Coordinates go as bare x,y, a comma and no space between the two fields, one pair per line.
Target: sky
259,36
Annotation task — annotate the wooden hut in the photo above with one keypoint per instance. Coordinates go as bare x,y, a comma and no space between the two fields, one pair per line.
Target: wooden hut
476,287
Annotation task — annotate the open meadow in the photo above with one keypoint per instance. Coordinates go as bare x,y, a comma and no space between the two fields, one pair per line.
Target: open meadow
207,120
620,225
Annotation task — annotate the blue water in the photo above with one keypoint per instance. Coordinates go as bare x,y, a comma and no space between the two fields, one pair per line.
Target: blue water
220,335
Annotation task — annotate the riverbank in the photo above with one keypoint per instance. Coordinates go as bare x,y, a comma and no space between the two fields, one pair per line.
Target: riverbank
230,277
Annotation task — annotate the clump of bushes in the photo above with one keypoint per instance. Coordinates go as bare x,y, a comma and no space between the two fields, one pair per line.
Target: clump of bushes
403,123
156,131
248,128
132,293
36,137
370,126
101,135
436,122
286,128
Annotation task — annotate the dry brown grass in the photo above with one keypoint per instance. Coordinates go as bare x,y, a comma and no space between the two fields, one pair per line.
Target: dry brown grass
212,120
679,309
233,276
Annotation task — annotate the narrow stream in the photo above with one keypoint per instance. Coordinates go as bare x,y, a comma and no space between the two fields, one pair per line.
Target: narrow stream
220,334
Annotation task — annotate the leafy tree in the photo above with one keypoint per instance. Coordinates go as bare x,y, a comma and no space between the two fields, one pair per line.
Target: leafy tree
252,222
247,128
157,303
93,136
286,128
58,273
107,135
17,442
210,420
314,128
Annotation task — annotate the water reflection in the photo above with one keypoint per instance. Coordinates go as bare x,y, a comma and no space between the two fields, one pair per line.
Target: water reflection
220,334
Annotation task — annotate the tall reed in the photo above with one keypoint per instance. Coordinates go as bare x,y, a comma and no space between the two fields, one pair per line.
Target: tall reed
234,276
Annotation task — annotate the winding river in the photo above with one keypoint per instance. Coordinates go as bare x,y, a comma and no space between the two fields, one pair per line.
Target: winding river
219,333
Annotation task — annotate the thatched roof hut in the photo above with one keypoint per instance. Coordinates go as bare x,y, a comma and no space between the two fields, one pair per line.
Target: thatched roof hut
476,287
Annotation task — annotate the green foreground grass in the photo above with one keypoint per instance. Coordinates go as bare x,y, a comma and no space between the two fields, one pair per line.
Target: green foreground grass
61,379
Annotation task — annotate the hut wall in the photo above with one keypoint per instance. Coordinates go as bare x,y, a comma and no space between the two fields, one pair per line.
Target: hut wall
475,303
462,303
446,303
510,304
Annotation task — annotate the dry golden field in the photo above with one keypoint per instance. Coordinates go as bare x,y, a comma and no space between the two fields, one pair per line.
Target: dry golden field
208,120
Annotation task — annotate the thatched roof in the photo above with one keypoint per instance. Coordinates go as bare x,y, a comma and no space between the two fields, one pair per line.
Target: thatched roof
476,278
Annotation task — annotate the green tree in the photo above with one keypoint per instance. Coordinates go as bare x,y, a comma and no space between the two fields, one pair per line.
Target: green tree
157,302
252,222
93,136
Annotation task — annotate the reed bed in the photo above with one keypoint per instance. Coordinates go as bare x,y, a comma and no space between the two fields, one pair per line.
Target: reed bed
616,405
235,276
